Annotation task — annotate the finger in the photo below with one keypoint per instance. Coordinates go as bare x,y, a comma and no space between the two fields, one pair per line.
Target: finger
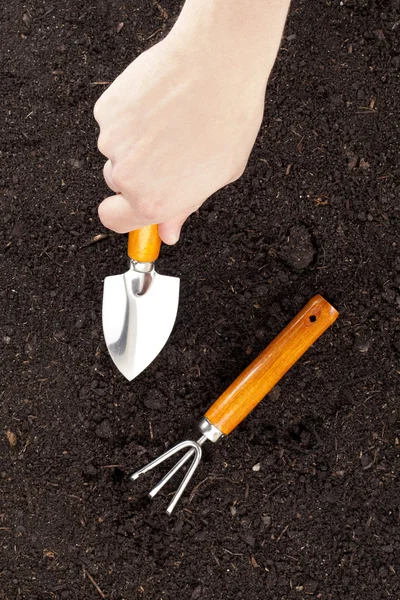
107,174
170,230
117,213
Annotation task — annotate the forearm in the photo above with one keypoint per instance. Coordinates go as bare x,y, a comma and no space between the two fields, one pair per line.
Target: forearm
249,30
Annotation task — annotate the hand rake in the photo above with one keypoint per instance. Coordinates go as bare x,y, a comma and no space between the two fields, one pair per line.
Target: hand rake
248,389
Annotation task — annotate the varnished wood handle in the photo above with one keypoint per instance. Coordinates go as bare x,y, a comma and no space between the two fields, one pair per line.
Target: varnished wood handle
267,369
144,244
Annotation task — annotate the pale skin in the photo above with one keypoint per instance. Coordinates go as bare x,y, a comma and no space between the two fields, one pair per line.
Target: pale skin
180,122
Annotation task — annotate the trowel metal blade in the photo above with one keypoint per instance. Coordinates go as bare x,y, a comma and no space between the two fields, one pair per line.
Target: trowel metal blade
139,312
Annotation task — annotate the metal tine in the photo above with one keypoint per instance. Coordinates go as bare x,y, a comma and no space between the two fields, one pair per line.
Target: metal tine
185,481
176,468
195,449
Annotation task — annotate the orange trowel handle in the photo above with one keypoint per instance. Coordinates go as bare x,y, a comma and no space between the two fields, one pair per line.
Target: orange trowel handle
144,244
267,369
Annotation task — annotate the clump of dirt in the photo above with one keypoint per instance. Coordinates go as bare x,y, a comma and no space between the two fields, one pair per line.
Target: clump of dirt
298,250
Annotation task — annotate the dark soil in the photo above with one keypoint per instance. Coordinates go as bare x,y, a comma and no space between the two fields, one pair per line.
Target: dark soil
316,212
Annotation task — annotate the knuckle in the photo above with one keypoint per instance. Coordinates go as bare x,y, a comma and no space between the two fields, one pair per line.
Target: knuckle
103,145
118,175
104,216
237,173
98,110
150,209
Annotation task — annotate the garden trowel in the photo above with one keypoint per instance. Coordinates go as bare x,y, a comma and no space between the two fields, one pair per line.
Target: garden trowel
139,306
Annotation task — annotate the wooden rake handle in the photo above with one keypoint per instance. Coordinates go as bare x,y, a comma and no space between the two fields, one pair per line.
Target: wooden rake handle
267,369
144,244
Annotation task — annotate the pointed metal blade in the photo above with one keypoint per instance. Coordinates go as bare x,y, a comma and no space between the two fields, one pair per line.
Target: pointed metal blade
139,312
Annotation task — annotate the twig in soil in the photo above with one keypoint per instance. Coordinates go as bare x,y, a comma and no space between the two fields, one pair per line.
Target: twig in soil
162,10
272,492
51,258
155,33
292,557
85,572
232,553
283,532
192,495
100,83
97,238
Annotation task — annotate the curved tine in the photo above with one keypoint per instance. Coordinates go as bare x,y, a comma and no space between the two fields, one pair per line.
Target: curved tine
176,468
171,473
186,479
163,457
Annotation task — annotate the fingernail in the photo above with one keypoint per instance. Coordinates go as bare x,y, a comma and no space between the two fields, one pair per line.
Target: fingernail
173,237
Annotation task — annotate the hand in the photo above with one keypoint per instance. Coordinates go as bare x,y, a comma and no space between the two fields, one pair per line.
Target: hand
176,126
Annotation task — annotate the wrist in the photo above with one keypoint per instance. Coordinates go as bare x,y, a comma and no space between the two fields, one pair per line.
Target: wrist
241,33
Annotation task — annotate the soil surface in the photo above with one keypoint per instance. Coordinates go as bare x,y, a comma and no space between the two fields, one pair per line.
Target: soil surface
303,499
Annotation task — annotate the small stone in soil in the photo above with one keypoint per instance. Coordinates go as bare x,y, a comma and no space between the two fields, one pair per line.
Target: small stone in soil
197,592
27,19
361,344
266,519
365,461
250,540
77,164
310,587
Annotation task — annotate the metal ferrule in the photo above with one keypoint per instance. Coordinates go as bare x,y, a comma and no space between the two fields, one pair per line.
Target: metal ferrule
209,430
142,267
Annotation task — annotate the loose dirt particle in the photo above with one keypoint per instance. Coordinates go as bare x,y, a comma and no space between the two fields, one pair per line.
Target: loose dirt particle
11,437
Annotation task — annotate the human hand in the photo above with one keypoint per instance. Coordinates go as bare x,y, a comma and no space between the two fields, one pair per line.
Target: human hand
176,126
